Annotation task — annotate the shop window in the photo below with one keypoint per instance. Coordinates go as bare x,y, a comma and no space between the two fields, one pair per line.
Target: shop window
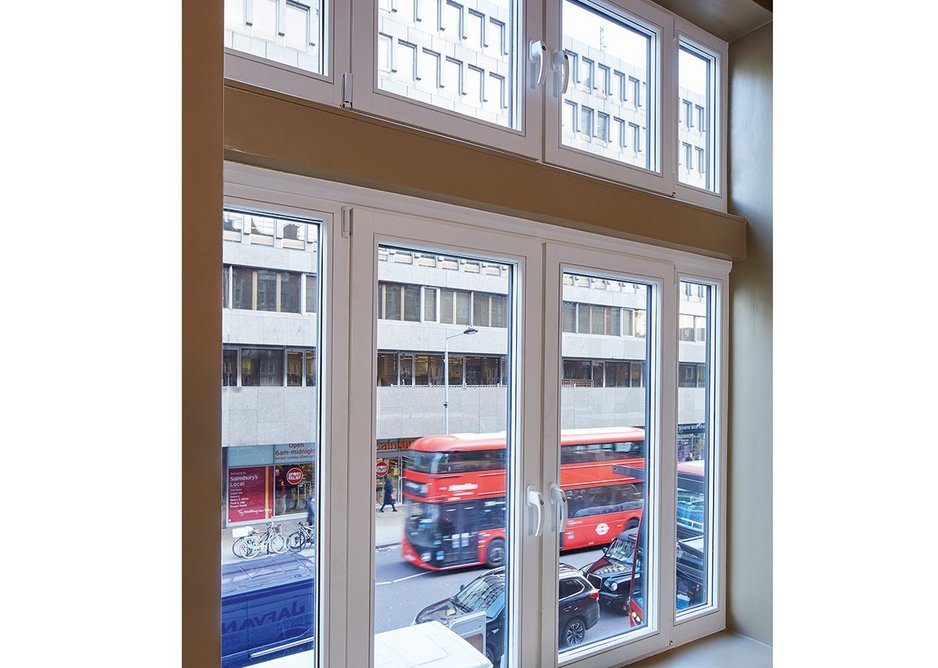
261,367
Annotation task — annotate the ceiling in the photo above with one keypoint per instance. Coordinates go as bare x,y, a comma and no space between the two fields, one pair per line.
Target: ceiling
727,19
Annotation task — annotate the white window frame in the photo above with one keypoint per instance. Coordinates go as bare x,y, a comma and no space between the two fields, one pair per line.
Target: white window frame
368,98
357,216
325,88
658,178
716,129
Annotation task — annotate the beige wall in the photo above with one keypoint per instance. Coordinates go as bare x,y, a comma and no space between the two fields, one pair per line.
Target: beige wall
749,565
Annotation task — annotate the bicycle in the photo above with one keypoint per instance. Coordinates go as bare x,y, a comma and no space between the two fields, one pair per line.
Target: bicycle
250,546
303,536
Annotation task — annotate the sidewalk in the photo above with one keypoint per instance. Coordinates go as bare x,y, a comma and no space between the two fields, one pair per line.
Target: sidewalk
389,526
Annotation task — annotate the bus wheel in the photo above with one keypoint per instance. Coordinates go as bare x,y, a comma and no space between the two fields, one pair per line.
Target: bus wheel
495,553
632,523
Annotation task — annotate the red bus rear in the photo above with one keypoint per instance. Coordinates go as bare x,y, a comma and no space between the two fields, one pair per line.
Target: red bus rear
455,487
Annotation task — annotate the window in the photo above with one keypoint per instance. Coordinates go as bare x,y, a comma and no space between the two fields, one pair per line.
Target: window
468,70
624,44
579,296
698,75
429,304
399,302
454,306
455,68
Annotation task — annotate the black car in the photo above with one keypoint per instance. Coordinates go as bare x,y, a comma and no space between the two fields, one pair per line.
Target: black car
579,608
690,572
611,574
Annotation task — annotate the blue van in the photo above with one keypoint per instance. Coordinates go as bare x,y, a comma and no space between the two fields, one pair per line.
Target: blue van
267,609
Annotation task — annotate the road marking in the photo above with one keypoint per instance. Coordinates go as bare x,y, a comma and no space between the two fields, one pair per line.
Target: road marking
416,575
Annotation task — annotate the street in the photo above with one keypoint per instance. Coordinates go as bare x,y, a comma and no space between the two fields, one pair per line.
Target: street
402,590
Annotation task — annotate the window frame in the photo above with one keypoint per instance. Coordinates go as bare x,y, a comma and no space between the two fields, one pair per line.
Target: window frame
557,153
367,97
696,38
326,88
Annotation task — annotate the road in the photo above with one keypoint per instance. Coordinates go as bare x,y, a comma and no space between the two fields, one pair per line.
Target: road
402,590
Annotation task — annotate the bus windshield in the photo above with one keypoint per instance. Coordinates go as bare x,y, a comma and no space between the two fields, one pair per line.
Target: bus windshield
422,522
484,593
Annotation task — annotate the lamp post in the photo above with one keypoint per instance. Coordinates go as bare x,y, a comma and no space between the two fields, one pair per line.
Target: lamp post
468,330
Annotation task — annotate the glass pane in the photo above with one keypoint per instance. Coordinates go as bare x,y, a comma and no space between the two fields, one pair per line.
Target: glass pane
289,33
458,56
429,304
600,36
602,468
440,476
269,459
693,457
696,91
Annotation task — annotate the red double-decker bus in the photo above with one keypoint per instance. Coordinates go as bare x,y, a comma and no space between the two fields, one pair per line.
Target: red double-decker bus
455,486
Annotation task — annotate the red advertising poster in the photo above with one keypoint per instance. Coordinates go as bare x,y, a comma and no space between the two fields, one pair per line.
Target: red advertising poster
250,493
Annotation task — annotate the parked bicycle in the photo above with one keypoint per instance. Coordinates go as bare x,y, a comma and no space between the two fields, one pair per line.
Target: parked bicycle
304,536
270,539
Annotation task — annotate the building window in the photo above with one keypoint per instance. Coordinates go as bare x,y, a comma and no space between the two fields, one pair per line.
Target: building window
688,115
399,301
570,116
586,121
262,367
229,367
687,155
312,292
602,127
489,310
243,281
591,319
429,304
693,328
455,306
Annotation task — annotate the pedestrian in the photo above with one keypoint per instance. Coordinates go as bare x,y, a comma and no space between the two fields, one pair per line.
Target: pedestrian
388,495
311,510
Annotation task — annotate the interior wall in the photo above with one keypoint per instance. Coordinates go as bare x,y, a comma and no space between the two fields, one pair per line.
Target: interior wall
749,563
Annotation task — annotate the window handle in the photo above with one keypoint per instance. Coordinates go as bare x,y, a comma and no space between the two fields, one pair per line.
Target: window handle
536,501
560,62
536,51
559,498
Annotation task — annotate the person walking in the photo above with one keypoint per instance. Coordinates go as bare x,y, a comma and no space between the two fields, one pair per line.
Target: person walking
388,495
311,511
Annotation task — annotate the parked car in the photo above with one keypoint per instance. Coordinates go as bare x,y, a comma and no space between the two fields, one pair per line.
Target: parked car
690,572
611,574
579,608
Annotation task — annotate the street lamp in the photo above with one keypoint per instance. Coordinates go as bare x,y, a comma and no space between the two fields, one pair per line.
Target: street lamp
468,330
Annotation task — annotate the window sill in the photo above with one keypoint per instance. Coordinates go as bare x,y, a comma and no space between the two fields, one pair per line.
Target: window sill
721,650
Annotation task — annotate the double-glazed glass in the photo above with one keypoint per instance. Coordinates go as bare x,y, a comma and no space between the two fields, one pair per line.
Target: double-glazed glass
270,439
610,101
459,56
605,403
694,447
443,460
289,32
696,135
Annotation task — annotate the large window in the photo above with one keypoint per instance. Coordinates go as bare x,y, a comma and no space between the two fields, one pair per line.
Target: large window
257,289
525,442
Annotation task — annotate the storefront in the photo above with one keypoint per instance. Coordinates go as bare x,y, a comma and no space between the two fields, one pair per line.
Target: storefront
691,441
268,482
389,464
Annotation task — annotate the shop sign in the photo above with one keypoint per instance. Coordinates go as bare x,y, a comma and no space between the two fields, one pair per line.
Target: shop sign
394,444
295,475
294,453
381,469
250,493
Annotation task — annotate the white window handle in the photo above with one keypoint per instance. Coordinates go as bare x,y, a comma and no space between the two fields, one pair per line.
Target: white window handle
536,501
560,62
536,51
559,498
